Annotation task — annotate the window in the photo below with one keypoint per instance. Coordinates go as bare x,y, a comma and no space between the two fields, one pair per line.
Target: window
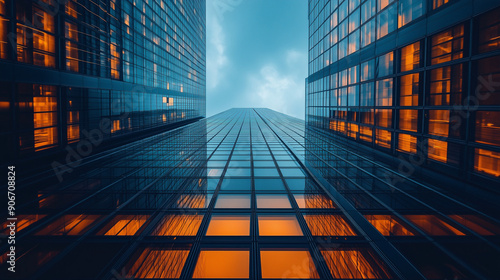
437,150
354,264
368,33
446,85
488,127
353,96
328,225
367,70
365,133
488,71
283,264
386,21
408,120
383,138
439,122
384,117
410,57
488,26
388,225
158,263
409,90
353,42
447,45
383,3
353,20
229,225
384,92
385,65
407,143
438,3
433,225
222,264
368,9
3,31
409,10
367,91
487,161
279,225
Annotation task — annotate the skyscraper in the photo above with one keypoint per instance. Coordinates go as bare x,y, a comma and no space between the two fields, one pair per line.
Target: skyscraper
247,194
71,70
415,80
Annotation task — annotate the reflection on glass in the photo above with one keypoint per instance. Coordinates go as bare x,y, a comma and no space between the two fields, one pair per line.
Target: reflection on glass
388,225
289,264
313,201
233,201
158,263
178,225
124,225
269,185
447,45
276,225
438,150
328,225
23,221
70,225
229,225
477,224
354,264
193,200
236,184
273,201
222,264
432,225
487,161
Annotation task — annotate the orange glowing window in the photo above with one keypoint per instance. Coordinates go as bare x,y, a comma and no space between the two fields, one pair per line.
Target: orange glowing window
432,225
438,3
230,225
439,122
383,138
178,225
446,85
328,225
124,225
409,89
487,162
71,9
408,120
407,143
70,225
23,221
447,45
287,264
488,127
354,264
410,57
116,126
273,201
388,225
489,31
157,263
313,201
233,201
223,264
73,132
365,133
384,117
279,225
437,150
353,130
477,224
193,201
3,37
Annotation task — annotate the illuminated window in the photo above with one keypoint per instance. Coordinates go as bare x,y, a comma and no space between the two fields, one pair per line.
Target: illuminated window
367,117
328,225
487,162
222,264
233,201
387,225
439,122
410,57
23,221
407,143
488,26
287,264
384,117
437,150
71,9
384,93
446,85
409,10
3,32
383,138
408,120
192,201
70,225
229,225
447,45
488,127
438,3
178,225
157,263
124,225
279,225
477,224
313,201
365,133
71,47
432,225
273,201
354,264
409,90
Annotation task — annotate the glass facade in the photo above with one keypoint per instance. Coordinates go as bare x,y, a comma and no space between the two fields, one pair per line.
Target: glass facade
404,78
195,203
118,67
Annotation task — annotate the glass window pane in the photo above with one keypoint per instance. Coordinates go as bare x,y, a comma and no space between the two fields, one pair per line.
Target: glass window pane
158,263
283,264
230,225
388,225
313,201
233,201
432,225
279,225
354,264
222,264
328,225
273,201
178,225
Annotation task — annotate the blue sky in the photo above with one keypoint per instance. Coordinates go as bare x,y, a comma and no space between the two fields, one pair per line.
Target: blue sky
256,55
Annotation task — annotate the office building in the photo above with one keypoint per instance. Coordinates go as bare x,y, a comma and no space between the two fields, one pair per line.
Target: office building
417,81
120,69
246,194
